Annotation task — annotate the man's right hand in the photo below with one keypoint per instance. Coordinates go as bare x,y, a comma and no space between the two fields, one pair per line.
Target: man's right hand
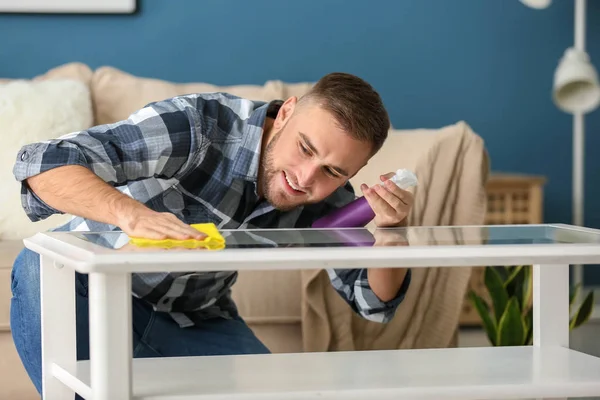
76,190
154,225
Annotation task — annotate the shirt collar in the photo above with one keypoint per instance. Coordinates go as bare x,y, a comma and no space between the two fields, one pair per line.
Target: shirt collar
248,155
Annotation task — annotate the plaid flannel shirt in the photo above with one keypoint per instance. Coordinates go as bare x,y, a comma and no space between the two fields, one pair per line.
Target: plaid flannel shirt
196,156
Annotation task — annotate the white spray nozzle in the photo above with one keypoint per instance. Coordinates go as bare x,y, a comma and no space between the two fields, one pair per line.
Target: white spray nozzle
404,179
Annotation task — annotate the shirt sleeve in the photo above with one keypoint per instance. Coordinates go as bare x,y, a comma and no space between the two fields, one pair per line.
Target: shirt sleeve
353,286
156,141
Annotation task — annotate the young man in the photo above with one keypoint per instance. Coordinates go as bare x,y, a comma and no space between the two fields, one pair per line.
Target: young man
208,158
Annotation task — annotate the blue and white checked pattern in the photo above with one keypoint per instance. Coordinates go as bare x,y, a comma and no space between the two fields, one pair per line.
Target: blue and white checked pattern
195,156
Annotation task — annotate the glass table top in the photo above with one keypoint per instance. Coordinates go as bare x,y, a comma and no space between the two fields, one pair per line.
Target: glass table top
362,237
330,248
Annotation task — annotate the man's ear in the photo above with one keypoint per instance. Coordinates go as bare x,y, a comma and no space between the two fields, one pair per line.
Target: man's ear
285,112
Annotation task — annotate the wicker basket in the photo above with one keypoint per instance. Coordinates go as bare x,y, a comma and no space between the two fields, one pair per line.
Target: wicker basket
514,199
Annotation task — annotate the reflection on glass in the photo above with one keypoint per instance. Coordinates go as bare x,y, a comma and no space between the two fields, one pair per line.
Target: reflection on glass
362,237
244,239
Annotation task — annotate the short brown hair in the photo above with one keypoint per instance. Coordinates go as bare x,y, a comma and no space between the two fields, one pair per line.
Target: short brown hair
355,105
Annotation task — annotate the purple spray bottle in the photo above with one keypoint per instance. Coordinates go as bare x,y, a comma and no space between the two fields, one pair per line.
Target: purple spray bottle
358,213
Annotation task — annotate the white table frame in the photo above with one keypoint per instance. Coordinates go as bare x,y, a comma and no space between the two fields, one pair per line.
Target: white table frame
111,372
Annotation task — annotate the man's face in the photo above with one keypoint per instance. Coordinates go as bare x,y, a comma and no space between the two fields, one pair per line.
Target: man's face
307,156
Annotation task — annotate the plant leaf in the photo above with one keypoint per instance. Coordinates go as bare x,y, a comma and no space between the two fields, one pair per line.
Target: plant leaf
511,329
528,327
514,284
504,272
497,291
573,293
527,288
484,313
584,311
513,271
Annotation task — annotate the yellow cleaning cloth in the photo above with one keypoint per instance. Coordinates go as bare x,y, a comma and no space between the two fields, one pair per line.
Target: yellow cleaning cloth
213,240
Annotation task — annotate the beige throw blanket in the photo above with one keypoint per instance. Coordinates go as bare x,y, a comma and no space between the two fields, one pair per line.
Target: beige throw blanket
451,191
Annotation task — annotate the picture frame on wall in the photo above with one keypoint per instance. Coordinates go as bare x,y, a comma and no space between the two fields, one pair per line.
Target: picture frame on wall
68,6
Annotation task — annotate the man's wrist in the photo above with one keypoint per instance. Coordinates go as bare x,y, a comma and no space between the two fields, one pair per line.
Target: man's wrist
386,282
123,209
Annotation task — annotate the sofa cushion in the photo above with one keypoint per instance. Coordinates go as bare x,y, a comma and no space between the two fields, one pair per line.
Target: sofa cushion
117,94
73,71
9,250
32,111
268,297
404,148
296,89
14,382
5,295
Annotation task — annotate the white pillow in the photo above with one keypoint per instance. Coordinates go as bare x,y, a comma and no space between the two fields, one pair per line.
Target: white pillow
32,111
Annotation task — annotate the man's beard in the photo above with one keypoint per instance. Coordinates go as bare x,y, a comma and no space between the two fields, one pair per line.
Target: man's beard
269,174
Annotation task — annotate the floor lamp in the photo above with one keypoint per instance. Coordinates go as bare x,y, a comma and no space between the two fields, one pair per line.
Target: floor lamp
576,91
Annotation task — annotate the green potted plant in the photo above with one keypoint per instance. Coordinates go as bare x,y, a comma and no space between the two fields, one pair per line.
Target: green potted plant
508,320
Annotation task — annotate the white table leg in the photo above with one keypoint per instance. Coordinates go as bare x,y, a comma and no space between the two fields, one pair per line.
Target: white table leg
550,309
551,305
110,336
58,327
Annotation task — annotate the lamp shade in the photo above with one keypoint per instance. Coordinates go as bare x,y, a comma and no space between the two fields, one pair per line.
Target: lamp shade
576,87
537,3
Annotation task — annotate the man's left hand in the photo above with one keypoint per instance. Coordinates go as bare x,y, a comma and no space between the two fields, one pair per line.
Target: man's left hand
390,203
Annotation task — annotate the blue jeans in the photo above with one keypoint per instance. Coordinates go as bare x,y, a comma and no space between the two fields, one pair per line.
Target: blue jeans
155,334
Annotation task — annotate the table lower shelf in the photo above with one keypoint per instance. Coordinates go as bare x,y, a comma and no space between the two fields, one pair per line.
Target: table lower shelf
457,373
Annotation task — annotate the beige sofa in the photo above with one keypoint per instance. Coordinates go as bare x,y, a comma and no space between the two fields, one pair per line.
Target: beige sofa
73,97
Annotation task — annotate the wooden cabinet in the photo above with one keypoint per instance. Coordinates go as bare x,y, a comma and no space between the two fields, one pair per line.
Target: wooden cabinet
512,199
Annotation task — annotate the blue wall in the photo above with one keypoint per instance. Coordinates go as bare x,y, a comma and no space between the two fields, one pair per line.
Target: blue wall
489,62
